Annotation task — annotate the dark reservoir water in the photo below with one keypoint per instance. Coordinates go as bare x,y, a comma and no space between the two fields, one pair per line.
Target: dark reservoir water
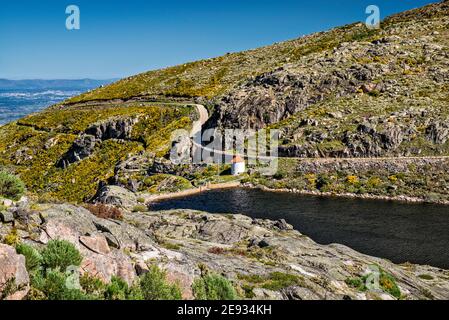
400,232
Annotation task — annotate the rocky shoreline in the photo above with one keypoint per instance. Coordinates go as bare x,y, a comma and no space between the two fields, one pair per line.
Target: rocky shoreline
347,195
263,259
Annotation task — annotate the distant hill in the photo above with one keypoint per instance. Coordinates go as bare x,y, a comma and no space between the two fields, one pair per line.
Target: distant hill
80,84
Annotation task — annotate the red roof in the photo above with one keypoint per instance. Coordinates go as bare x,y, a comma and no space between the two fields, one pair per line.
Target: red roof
237,159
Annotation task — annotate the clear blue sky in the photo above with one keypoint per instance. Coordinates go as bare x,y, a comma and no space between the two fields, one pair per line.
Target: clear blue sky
121,38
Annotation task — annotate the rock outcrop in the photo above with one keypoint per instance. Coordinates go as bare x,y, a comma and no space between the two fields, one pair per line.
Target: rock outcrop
239,247
84,145
14,279
116,196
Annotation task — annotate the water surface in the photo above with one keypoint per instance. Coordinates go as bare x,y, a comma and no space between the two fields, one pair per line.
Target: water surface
400,232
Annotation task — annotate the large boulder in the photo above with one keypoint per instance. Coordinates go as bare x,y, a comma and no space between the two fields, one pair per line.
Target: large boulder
116,196
14,279
105,266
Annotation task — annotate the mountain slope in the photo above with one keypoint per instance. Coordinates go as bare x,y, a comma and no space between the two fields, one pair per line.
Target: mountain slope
350,92
212,77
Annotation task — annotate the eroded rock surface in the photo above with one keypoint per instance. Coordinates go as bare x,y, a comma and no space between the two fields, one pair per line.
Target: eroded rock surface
250,252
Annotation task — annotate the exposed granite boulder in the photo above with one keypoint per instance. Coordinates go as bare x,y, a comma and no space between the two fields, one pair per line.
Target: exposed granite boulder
105,266
13,274
92,236
126,236
116,196
96,243
6,216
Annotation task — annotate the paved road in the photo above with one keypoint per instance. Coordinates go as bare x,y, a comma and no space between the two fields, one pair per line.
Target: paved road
203,117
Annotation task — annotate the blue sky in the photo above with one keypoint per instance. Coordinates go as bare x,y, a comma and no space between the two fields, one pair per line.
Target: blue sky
121,38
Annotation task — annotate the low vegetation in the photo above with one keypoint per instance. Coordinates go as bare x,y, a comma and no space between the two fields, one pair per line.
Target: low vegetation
387,283
214,287
51,280
274,281
11,187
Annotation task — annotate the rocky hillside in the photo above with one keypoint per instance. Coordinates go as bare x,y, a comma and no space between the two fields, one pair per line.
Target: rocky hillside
65,153
255,259
349,92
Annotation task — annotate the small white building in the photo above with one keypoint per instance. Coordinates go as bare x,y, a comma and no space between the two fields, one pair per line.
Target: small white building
237,166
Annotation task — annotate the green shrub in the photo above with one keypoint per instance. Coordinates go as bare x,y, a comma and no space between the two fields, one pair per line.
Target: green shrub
118,289
278,280
12,238
11,187
386,282
32,256
92,285
213,287
52,286
60,254
155,287
8,288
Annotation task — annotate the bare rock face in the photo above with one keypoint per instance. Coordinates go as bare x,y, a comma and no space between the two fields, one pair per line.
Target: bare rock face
82,147
438,132
96,243
116,196
14,279
105,266
370,142
222,232
112,129
274,96
85,144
